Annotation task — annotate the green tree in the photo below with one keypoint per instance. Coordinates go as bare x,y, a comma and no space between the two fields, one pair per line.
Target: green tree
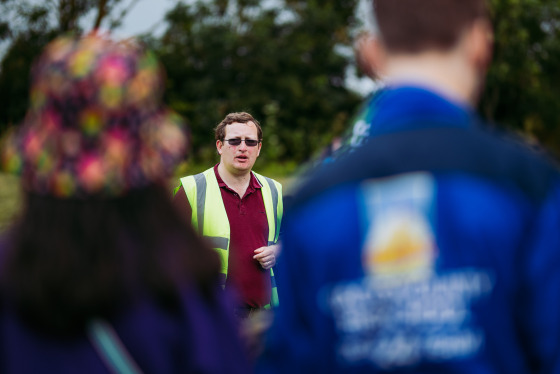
282,63
523,84
27,26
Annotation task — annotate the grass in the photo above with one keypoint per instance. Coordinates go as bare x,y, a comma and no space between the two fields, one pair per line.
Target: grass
10,199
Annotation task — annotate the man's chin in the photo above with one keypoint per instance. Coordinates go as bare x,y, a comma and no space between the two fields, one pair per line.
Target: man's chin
243,167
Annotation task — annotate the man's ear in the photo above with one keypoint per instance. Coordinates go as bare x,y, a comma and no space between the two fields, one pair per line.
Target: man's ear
371,55
219,146
479,45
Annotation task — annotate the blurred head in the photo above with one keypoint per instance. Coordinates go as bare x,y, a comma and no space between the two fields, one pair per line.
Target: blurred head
412,26
96,125
238,158
442,44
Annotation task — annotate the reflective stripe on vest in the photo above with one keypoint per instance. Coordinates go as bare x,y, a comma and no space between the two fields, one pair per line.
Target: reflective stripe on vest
209,215
272,204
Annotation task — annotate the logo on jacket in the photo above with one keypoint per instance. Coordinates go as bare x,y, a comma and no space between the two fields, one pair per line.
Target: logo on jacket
400,245
406,309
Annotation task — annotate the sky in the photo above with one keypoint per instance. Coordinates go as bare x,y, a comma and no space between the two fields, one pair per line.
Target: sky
145,16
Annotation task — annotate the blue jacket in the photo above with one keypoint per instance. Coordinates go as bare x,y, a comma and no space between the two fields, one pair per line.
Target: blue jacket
433,248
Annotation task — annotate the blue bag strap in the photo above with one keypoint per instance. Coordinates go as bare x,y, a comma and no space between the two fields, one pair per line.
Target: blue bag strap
110,348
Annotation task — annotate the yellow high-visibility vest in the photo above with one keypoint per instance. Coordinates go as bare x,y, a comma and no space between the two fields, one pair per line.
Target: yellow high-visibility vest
210,219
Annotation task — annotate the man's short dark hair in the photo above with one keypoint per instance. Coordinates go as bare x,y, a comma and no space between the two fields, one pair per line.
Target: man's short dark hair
238,117
413,26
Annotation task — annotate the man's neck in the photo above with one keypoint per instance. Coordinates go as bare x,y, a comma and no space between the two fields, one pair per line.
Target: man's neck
441,73
237,182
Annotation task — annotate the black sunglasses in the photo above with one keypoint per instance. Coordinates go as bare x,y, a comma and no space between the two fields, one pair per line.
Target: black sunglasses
237,141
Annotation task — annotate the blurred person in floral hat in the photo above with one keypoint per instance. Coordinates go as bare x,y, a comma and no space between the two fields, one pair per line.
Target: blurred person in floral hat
100,274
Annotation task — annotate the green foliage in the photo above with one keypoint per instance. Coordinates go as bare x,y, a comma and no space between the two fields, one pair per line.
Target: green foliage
10,199
28,25
281,61
279,64
14,76
523,84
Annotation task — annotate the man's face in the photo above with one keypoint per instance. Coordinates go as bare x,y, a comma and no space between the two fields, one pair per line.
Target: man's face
239,159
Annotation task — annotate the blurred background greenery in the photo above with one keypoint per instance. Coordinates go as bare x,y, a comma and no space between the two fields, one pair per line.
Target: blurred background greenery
11,196
10,199
284,61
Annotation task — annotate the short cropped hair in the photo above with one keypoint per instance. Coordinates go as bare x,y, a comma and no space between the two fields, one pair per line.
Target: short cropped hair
412,26
238,117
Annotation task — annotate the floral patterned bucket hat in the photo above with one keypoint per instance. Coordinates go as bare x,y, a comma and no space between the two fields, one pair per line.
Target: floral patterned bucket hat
96,124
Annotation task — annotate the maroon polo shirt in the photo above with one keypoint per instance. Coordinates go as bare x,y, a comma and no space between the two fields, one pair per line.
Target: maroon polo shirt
248,231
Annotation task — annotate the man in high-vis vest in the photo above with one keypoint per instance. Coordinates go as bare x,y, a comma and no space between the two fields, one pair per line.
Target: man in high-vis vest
239,212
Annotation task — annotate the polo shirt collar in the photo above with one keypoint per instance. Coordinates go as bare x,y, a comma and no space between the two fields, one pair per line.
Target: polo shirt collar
254,184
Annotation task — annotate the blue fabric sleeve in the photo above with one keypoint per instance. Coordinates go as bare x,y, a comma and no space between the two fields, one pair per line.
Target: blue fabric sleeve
539,298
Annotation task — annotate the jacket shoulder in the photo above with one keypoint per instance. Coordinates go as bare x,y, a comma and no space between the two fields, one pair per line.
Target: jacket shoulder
488,155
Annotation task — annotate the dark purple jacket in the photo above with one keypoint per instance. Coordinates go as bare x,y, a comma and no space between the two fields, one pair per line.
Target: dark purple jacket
199,339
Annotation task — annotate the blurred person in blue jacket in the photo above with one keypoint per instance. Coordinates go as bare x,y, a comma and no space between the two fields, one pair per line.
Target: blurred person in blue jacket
361,122
435,246
359,127
100,274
